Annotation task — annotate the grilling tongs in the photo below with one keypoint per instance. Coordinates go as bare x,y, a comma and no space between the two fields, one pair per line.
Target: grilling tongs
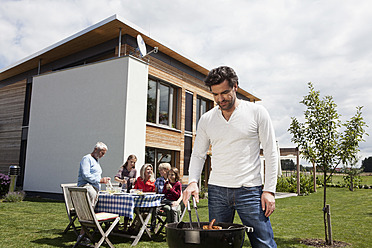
196,211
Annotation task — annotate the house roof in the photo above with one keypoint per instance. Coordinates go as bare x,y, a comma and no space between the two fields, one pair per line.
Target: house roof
103,31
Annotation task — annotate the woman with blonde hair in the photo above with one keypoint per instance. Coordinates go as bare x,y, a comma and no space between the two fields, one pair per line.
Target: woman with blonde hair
146,180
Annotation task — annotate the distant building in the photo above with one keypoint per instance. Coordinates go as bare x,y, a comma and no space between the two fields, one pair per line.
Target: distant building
94,86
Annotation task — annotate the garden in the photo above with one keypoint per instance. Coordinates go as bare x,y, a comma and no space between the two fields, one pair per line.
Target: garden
36,222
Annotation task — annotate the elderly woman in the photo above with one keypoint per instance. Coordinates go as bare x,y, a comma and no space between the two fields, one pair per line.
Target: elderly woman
126,175
146,180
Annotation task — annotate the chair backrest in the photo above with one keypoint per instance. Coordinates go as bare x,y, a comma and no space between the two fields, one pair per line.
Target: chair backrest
67,197
83,206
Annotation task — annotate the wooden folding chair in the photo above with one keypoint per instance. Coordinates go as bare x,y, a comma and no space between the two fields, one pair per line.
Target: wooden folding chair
69,207
89,219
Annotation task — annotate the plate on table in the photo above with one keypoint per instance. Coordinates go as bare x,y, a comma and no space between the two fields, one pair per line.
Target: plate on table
145,193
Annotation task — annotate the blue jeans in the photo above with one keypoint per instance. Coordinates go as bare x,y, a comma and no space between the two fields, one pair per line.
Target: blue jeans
222,203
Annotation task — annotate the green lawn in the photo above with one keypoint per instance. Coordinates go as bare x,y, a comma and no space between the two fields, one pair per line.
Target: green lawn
39,223
366,180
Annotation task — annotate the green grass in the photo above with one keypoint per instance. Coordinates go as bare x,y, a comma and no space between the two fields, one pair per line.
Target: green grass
40,223
366,180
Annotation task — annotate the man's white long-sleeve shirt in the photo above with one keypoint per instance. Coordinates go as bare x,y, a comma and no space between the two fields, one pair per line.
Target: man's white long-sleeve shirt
236,147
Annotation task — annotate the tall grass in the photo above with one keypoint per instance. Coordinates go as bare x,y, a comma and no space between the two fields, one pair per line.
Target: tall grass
40,223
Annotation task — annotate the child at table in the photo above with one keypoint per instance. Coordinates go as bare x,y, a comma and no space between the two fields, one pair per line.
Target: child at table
126,175
172,192
160,181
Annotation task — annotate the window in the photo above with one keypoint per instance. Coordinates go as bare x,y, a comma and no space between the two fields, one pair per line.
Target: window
202,106
156,156
161,103
188,131
187,154
188,112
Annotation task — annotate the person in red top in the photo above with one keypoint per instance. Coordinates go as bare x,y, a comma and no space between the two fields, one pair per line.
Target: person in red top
146,180
172,192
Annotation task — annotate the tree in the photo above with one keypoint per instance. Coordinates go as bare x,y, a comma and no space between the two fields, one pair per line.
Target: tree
321,142
352,174
367,164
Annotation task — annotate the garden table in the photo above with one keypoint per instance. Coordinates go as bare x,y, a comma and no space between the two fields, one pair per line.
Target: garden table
125,204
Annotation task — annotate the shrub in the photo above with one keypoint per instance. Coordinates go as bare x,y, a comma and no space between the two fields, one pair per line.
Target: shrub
357,181
202,192
289,184
4,184
286,184
17,196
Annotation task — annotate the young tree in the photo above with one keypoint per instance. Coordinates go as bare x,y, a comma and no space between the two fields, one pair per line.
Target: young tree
352,174
321,142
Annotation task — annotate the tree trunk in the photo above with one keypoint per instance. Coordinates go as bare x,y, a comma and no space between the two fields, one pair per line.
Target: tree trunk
351,183
298,180
327,215
314,170
324,206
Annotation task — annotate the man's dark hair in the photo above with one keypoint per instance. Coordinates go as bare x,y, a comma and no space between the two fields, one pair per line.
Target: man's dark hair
220,74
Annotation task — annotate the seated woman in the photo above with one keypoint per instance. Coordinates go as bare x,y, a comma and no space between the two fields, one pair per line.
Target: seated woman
146,180
126,175
172,192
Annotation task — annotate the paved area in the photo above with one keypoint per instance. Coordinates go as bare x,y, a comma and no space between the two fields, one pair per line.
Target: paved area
284,194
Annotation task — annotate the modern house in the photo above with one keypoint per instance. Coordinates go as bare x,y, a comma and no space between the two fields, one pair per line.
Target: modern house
95,86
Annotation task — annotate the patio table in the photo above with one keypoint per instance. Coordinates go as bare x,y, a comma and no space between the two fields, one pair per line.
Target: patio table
125,204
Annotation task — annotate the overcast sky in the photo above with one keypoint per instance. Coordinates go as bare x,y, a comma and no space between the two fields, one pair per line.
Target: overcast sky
276,47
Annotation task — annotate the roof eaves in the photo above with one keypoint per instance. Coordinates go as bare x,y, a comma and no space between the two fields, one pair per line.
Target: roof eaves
90,28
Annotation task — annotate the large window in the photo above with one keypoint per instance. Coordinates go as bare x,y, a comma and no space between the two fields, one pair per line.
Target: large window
156,156
161,103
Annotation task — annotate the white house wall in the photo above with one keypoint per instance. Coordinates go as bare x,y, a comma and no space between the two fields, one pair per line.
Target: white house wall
73,109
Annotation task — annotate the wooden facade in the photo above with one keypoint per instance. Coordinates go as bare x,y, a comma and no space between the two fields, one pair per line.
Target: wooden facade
162,137
100,42
12,98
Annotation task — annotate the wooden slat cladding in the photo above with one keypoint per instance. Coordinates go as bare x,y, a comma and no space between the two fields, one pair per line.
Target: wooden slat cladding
167,69
163,138
12,99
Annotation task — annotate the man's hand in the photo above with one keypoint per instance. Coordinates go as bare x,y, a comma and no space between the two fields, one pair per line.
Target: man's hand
268,203
105,180
192,189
